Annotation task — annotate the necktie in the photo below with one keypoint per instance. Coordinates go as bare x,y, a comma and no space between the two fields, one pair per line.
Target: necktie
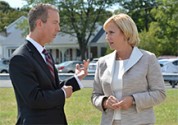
49,62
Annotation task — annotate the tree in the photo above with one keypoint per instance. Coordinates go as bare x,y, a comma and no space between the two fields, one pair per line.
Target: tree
140,10
150,42
162,37
4,9
81,19
8,15
166,16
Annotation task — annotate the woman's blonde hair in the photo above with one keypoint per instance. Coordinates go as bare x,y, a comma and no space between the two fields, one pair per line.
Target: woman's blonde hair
127,26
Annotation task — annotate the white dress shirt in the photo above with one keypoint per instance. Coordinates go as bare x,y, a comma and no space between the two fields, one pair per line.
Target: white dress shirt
117,83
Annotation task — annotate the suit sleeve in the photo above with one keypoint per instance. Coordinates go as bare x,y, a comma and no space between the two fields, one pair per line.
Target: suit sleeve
71,82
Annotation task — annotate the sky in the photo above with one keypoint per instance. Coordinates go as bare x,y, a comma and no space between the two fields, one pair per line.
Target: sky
15,3
21,3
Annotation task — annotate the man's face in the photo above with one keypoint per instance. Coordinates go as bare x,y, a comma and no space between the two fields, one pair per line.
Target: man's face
51,27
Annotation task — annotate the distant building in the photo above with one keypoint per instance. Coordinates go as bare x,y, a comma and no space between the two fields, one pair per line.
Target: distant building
2,38
64,46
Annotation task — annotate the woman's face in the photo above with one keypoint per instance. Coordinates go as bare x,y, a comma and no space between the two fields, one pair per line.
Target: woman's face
114,36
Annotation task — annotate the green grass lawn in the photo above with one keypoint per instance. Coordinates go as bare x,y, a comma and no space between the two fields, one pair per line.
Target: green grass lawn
79,110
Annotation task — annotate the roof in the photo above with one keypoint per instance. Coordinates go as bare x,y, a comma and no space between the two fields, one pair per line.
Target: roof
98,36
22,18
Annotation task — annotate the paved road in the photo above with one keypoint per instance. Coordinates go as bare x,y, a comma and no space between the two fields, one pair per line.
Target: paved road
86,83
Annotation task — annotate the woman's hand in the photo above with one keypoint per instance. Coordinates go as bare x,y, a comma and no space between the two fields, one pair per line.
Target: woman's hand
113,103
110,103
124,103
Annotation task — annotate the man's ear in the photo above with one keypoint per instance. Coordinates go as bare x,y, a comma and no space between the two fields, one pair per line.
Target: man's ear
39,23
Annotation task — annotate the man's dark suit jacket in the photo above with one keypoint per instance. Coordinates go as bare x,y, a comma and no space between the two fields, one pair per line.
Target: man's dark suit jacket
40,99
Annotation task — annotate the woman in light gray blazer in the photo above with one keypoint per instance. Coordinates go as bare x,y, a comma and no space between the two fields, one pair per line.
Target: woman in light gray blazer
128,82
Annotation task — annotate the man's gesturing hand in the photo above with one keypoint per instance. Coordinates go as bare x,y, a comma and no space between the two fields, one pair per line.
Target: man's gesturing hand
81,70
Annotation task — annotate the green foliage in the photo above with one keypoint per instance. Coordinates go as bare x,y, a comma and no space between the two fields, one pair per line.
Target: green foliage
157,24
81,18
148,42
8,15
24,27
34,2
166,19
139,10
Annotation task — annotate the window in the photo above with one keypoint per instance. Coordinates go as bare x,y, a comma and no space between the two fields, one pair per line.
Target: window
10,51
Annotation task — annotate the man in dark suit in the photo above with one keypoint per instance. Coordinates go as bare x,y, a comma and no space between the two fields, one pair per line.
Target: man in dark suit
39,93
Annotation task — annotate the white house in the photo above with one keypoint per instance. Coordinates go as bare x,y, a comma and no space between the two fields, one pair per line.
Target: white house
2,38
64,46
